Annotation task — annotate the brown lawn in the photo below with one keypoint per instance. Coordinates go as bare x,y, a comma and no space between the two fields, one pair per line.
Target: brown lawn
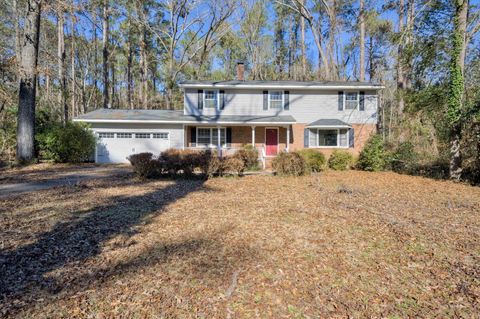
336,244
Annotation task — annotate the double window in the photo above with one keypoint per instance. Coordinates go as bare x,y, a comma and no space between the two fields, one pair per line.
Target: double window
106,135
210,99
275,99
208,136
328,138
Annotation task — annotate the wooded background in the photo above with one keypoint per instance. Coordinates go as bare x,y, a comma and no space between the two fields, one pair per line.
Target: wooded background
59,59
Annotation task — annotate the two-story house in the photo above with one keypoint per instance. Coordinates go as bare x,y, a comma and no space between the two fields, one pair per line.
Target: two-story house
273,116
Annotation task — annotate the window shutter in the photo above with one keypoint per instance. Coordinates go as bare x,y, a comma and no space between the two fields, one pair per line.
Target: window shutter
200,99
222,99
193,134
362,101
229,135
286,96
265,100
351,137
306,137
340,100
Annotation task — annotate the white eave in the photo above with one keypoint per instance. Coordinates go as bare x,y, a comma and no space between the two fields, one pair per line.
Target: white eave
181,122
281,87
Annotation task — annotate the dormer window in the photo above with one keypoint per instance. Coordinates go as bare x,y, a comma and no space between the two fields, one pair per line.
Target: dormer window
275,99
210,99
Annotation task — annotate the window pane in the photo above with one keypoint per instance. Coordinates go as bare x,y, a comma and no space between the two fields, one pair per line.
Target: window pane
210,99
327,137
343,138
106,135
312,138
276,99
124,135
215,136
163,136
351,100
142,135
203,136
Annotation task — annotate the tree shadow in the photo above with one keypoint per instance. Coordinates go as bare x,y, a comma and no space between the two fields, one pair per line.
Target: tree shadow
78,238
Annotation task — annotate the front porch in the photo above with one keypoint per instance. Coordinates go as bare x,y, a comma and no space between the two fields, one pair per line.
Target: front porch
269,140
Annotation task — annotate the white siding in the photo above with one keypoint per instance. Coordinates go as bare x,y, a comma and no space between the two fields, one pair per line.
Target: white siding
306,106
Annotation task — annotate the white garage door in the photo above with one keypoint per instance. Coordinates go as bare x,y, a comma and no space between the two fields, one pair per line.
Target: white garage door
115,147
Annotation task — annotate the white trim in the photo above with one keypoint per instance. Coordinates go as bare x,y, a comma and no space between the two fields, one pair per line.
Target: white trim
180,122
210,145
329,126
338,138
282,87
357,108
217,98
278,139
283,100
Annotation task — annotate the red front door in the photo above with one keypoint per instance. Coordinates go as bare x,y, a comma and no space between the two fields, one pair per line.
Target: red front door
271,141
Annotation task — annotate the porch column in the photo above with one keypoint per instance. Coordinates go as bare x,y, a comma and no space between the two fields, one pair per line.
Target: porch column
253,136
288,138
219,143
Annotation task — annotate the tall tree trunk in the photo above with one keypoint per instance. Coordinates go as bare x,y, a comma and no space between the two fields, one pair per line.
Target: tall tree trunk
303,47
95,60
106,101
18,36
129,62
72,22
457,87
112,72
361,19
143,55
400,75
61,56
28,82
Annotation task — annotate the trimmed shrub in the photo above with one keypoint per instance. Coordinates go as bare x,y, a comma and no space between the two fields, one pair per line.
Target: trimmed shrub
314,159
233,165
145,165
72,143
372,157
290,164
249,156
340,160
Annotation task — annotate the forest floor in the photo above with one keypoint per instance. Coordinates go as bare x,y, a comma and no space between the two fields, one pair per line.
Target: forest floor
334,244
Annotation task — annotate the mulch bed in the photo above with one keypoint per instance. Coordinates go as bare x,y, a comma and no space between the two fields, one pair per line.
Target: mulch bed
335,244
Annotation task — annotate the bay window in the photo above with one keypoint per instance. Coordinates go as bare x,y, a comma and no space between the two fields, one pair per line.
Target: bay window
328,138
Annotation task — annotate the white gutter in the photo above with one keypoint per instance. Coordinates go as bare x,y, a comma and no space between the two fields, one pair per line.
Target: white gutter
177,122
328,126
282,87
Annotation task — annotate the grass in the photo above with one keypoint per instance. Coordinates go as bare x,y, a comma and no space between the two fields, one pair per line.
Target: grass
335,244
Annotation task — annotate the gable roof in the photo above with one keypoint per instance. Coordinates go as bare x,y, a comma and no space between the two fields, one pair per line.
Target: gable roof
169,116
305,85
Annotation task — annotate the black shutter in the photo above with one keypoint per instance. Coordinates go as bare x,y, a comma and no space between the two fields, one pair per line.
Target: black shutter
340,100
351,138
222,99
265,100
200,99
362,101
229,135
193,134
306,137
286,95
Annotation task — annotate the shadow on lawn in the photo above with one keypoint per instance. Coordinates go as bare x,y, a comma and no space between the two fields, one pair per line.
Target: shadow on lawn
23,270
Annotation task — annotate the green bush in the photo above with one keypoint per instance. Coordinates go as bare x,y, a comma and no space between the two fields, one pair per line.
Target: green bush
290,164
73,143
145,165
372,157
404,158
248,155
340,160
315,160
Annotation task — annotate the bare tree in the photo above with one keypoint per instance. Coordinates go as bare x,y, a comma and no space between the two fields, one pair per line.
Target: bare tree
361,23
105,42
61,56
28,83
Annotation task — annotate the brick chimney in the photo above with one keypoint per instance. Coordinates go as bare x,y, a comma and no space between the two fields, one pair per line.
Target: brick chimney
240,71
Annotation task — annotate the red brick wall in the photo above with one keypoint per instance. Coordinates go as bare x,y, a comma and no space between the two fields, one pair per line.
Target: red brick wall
242,135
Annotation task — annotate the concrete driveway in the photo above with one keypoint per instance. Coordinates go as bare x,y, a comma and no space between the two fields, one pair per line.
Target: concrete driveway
21,183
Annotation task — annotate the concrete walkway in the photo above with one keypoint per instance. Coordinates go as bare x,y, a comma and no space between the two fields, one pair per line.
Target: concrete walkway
68,178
